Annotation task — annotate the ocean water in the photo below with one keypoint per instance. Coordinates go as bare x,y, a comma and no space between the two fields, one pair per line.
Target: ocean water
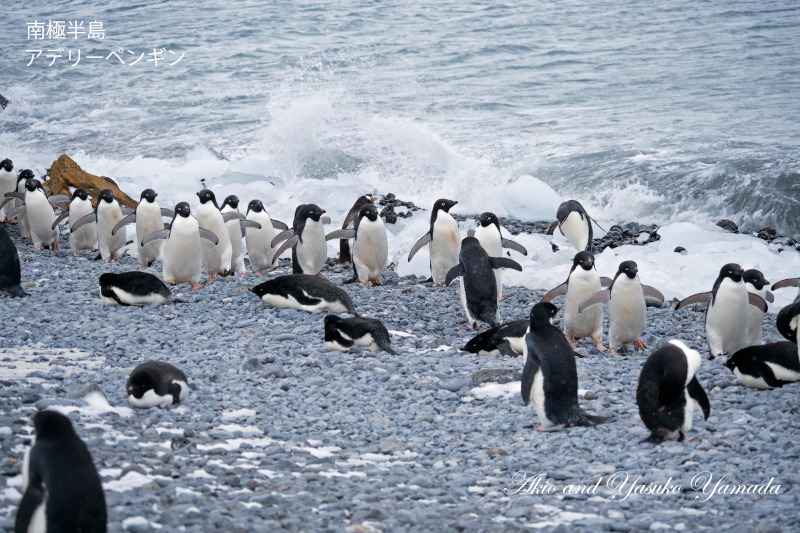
658,113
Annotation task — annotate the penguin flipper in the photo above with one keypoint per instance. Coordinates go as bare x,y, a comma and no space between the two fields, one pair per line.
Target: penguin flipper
425,239
513,245
207,235
697,393
791,282
14,194
17,211
277,224
4,202
156,235
130,219
529,372
232,215
592,420
15,291
453,273
698,298
770,297
340,234
504,262
167,212
285,246
88,219
282,236
244,224
653,294
60,217
596,298
757,301
606,282
505,349
561,290
325,220
56,198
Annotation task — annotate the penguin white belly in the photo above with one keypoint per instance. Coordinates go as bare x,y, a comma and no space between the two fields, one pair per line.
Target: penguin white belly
688,411
783,373
576,230
290,302
132,299
755,318
182,252
216,257
85,237
444,247
40,219
150,399
313,251
8,183
334,346
749,381
235,235
491,241
107,217
370,250
184,389
517,344
538,398
589,323
38,523
626,312
726,321
24,229
463,290
148,220
258,241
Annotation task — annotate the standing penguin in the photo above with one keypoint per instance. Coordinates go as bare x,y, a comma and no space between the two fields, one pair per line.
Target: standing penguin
24,176
488,234
306,238
583,282
667,390
107,213
216,257
61,488
728,310
37,208
259,249
84,238
8,183
370,245
550,376
575,224
444,239
10,272
756,284
231,205
181,255
148,218
478,284
349,223
627,314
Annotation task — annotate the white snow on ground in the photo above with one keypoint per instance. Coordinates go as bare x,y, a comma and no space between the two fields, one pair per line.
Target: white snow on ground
131,480
22,364
98,405
237,414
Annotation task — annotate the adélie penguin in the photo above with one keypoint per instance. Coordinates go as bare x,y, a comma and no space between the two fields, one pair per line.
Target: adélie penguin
344,333
550,376
155,383
349,223
370,250
766,366
61,488
37,208
134,288
627,309
148,218
304,292
488,234
236,228
789,317
583,281
667,391
728,310
85,237
216,257
181,255
258,240
8,183
22,178
576,225
443,238
506,339
756,284
306,238
107,213
478,284
10,272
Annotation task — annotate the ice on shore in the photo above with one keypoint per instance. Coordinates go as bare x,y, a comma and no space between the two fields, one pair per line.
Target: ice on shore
530,199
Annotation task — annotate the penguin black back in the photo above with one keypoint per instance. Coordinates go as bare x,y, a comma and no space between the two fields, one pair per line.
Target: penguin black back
160,377
344,244
479,282
357,328
10,272
766,366
497,339
134,288
307,290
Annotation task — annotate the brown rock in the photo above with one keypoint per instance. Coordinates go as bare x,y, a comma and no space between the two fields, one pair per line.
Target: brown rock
551,230
496,450
66,173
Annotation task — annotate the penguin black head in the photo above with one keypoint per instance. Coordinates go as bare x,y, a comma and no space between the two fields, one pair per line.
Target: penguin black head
542,314
487,219
732,271
33,184
363,200
232,201
755,278
207,196
25,175
183,210
443,204
106,195
585,260
629,268
52,425
139,383
81,193
568,207
149,195
731,363
331,321
7,165
306,211
369,211
256,206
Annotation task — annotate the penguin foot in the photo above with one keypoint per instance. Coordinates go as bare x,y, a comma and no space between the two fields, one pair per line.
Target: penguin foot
74,254
573,344
600,347
196,287
142,266
639,343
541,428
12,221
376,282
26,236
258,273
241,274
500,299
107,259
94,249
320,275
366,283
54,246
37,249
115,257
685,436
614,351
209,278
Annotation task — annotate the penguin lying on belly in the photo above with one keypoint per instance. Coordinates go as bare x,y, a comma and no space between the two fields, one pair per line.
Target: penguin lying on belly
156,383
344,333
766,366
304,292
508,339
134,288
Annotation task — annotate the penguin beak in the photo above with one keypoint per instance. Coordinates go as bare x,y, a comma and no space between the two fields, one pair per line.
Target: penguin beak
198,195
374,199
130,390
767,282
323,211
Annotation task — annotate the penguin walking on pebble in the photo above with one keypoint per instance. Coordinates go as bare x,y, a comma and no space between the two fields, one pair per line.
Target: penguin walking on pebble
258,240
583,281
627,308
37,208
148,218
8,183
85,237
576,225
107,214
306,238
61,488
216,257
506,339
181,255
478,284
155,383
24,176
667,391
444,240
550,376
756,284
231,205
349,223
344,333
134,288
370,250
305,292
10,272
766,366
728,310
488,234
